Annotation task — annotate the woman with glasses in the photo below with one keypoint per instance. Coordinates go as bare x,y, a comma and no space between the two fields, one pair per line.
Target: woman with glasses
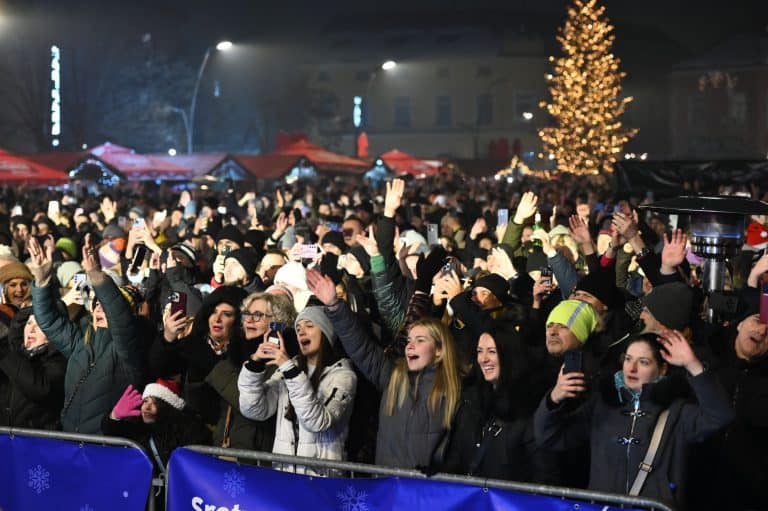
258,311
310,395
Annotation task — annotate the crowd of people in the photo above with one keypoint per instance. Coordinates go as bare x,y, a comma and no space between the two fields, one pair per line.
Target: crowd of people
533,330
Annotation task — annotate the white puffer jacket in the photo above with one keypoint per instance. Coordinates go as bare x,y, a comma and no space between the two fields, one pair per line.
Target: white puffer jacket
323,416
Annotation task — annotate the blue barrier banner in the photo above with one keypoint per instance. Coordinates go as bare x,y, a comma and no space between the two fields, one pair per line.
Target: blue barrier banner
200,482
42,473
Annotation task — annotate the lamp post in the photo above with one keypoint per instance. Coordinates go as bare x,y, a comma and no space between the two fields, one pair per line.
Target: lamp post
362,106
190,122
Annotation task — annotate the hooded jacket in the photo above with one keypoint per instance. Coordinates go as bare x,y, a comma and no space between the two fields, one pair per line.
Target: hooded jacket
321,428
410,436
619,434
97,371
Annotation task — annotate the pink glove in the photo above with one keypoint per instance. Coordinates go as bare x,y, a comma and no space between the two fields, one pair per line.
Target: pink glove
128,405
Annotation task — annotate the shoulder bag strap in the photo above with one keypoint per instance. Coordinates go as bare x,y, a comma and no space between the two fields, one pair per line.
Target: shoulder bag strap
227,426
79,383
647,464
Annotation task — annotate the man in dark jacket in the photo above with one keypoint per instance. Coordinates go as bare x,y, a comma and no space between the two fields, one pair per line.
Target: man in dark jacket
732,468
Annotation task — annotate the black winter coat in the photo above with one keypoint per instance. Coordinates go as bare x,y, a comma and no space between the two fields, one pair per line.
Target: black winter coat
740,452
619,436
31,387
483,444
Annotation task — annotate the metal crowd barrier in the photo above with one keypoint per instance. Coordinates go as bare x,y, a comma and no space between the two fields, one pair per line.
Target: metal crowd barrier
353,470
358,469
158,485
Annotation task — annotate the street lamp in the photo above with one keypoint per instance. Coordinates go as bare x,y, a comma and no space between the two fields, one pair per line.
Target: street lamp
362,105
190,125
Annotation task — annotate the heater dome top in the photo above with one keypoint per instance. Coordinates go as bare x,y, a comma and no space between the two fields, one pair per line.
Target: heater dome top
723,204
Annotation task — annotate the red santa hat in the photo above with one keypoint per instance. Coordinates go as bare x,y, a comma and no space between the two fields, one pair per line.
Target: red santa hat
757,235
167,390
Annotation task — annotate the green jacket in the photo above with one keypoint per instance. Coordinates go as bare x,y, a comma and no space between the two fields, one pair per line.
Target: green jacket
105,365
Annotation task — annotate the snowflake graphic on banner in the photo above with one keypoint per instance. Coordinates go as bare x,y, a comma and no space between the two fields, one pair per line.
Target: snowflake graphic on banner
352,500
86,508
39,479
233,483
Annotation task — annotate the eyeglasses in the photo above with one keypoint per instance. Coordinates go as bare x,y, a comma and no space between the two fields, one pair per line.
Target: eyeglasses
255,316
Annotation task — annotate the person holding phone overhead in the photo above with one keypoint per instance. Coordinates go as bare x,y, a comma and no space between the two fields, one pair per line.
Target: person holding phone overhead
639,424
311,394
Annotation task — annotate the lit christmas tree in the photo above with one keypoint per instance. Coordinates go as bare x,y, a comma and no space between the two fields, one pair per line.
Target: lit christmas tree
585,89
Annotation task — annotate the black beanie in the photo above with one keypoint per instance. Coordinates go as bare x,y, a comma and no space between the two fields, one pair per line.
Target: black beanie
231,233
496,284
670,304
336,239
256,238
247,258
601,285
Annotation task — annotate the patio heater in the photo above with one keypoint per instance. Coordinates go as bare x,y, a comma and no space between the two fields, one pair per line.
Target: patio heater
717,234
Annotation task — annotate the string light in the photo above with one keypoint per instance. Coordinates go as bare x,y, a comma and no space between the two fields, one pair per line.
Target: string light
584,88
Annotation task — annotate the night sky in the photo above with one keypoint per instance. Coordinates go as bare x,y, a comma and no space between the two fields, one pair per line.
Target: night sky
108,40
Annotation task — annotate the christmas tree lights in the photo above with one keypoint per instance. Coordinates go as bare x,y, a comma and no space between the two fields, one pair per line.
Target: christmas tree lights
585,90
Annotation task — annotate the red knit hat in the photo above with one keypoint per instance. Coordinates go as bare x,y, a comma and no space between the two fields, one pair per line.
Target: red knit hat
757,235
167,390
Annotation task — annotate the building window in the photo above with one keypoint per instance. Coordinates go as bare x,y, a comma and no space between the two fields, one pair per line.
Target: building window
697,110
443,115
402,112
444,72
323,76
362,76
525,103
484,109
737,107
484,71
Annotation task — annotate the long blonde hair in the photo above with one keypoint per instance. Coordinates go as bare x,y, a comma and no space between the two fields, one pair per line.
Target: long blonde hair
447,384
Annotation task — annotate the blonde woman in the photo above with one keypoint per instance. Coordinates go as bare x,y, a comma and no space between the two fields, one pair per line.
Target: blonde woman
420,391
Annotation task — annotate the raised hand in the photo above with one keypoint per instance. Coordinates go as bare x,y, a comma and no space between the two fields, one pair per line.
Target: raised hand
322,287
393,197
760,267
128,405
500,263
625,225
91,260
569,385
477,228
281,224
174,326
579,230
41,261
543,236
678,352
527,207
674,251
369,242
273,354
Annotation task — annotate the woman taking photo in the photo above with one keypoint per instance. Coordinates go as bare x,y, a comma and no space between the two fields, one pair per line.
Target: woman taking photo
312,393
620,419
259,310
191,350
420,391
